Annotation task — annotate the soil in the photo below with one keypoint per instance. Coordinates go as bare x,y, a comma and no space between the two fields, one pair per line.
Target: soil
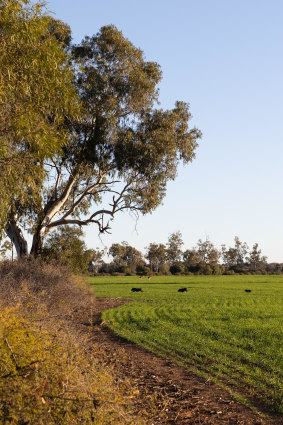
182,397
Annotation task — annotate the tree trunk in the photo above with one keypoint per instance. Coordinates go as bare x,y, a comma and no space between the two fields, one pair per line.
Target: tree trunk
37,241
50,211
16,237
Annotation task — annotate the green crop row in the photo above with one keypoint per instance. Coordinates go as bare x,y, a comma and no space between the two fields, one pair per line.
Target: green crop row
216,328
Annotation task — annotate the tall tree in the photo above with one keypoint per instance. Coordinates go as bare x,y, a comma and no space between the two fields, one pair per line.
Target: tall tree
96,259
36,95
256,260
174,250
121,151
208,253
125,255
156,255
191,259
235,256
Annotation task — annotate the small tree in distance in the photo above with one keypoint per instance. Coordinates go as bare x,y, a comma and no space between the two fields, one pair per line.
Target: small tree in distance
256,261
234,258
191,259
156,255
126,257
174,250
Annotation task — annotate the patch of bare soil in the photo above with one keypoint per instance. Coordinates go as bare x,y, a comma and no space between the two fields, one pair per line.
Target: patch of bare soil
182,398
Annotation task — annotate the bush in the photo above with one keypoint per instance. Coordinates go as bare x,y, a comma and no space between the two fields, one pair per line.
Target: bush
164,269
34,283
48,378
142,270
123,269
229,272
65,245
177,268
49,373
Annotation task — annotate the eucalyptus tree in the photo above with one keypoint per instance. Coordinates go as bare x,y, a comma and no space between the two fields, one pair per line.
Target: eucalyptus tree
174,248
191,259
256,261
207,252
156,255
236,256
36,96
122,149
125,255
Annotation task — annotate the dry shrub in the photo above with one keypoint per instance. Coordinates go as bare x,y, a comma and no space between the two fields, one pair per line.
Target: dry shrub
34,283
49,372
46,378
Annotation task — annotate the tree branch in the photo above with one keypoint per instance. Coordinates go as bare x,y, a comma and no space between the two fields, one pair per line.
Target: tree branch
88,191
116,206
89,220
53,207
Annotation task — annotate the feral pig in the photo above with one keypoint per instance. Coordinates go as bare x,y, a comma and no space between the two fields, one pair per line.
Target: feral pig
248,290
183,290
136,290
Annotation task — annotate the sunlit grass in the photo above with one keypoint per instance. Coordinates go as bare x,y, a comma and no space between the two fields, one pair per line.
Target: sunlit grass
216,328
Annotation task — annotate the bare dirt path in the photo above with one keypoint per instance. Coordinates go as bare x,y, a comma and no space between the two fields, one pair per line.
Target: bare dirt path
182,397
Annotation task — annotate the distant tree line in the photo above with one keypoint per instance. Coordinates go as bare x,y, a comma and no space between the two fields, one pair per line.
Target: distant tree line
66,246
204,259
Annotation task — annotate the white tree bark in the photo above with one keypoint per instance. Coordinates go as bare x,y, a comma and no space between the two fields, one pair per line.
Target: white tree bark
16,237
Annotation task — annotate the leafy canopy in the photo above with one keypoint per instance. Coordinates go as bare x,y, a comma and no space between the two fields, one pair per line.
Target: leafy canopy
122,132
36,94
117,153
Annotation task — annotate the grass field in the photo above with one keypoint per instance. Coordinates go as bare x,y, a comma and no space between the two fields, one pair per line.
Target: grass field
215,329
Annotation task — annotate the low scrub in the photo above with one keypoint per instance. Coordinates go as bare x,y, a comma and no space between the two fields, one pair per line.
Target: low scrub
49,373
34,284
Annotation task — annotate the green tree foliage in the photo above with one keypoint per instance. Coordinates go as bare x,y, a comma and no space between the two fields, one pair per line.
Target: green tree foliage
36,94
235,257
241,260
67,247
203,259
96,259
125,256
177,268
256,261
156,255
191,259
274,268
121,150
207,252
174,250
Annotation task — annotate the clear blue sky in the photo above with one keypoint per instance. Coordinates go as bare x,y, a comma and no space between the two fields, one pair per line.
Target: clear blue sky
225,58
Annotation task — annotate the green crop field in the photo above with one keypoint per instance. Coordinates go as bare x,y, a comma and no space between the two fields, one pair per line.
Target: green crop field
215,329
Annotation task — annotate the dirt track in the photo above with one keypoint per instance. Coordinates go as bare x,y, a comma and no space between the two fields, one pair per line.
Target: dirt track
182,397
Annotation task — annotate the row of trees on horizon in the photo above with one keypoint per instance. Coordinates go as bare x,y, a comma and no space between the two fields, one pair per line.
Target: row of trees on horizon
171,258
67,246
